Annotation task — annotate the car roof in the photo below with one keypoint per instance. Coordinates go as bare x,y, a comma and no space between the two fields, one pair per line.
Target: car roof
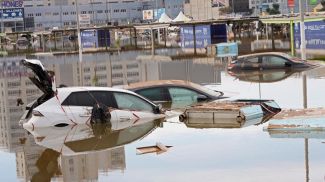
65,91
263,54
155,83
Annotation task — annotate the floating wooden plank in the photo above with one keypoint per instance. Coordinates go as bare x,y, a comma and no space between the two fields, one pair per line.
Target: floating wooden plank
159,148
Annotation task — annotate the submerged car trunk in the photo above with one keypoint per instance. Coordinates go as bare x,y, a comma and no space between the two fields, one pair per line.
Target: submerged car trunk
43,79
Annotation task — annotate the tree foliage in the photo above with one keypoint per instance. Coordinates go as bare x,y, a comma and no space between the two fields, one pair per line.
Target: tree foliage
274,10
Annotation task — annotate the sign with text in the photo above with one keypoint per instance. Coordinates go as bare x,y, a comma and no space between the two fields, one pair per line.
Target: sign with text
315,35
89,39
84,19
12,4
14,13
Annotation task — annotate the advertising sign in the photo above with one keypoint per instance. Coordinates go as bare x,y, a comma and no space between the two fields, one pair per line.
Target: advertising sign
315,35
147,14
218,33
104,38
203,36
291,3
89,39
12,4
84,19
14,13
158,13
227,49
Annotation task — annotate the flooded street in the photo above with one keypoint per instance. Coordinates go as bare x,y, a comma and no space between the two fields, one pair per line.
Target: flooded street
83,153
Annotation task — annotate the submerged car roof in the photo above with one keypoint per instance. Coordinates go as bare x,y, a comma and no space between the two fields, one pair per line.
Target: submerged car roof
154,83
263,54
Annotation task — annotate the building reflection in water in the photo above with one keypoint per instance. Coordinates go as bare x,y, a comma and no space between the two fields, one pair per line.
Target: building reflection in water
32,159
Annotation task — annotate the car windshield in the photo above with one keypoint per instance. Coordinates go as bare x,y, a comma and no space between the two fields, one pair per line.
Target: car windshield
206,90
294,59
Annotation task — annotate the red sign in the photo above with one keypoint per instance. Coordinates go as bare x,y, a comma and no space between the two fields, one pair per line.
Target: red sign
291,3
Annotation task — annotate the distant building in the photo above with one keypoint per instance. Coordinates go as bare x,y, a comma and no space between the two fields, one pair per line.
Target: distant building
204,9
240,6
46,14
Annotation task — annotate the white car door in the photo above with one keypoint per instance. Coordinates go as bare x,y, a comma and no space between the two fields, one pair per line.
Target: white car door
131,108
78,105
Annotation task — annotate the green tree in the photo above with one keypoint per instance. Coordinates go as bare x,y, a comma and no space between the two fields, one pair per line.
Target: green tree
323,4
274,10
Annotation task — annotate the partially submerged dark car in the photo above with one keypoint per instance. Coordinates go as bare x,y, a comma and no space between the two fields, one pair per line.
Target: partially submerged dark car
269,60
177,93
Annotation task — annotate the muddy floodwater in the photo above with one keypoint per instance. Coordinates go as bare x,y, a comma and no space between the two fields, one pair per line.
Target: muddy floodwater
197,154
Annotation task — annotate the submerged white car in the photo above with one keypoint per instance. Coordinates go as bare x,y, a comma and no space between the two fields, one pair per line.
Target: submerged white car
74,105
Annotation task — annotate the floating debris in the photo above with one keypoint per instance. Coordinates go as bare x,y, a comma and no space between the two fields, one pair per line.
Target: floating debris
232,114
300,119
159,148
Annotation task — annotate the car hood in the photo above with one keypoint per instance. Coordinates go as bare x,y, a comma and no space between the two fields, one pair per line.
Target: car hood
42,78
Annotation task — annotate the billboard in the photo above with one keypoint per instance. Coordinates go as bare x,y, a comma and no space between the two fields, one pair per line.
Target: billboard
89,39
205,35
158,13
84,19
147,14
227,49
104,38
315,35
218,33
13,13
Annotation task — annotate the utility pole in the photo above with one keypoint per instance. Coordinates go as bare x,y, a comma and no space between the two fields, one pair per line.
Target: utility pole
302,30
79,42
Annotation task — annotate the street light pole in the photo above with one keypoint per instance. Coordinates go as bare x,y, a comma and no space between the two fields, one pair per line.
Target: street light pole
302,30
79,42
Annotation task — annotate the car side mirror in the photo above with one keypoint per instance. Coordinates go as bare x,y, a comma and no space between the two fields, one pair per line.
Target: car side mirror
288,64
158,109
201,98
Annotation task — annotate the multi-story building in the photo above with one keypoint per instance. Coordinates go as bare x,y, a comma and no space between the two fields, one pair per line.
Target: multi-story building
46,14
240,6
14,85
204,9
259,7
85,167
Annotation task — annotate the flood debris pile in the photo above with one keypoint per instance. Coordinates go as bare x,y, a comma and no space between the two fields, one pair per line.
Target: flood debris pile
229,113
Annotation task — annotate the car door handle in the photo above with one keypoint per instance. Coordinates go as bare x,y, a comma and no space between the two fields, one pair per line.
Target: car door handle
125,118
84,115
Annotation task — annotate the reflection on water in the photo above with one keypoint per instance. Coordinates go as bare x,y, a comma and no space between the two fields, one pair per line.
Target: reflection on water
207,154
263,76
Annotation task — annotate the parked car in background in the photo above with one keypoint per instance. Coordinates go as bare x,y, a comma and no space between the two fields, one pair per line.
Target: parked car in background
174,93
269,60
74,105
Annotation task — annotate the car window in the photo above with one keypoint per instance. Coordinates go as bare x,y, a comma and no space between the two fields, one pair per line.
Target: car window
88,99
274,61
154,94
183,94
131,102
251,60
